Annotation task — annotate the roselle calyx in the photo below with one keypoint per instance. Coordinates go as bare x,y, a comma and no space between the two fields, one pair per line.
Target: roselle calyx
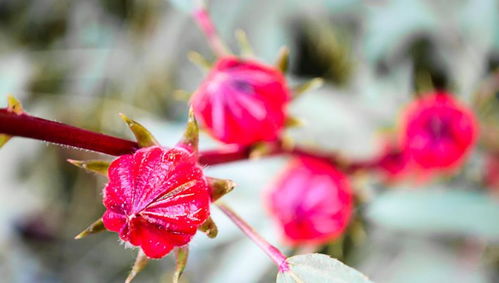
437,132
311,201
242,101
157,197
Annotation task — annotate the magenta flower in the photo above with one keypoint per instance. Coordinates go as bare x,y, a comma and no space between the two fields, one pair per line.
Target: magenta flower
156,198
242,102
312,202
437,132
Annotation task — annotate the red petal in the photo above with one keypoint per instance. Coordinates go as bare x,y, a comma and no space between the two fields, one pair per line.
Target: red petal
113,221
154,240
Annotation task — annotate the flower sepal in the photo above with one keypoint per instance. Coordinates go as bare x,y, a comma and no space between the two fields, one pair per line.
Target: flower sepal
307,86
96,227
140,262
209,228
142,135
94,166
219,187
181,254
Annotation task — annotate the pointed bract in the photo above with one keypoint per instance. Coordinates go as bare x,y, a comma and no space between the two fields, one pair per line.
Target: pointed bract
96,227
182,254
140,262
259,150
95,166
142,135
199,60
219,187
292,122
244,45
209,228
190,139
14,105
307,86
4,139
282,62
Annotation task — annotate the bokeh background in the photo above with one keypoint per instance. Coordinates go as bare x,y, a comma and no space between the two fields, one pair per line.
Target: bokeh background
82,62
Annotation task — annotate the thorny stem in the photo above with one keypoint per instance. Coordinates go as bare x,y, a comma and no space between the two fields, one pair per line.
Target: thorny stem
25,125
205,23
275,255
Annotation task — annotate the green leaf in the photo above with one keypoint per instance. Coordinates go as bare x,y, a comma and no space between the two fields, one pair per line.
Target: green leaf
318,268
433,211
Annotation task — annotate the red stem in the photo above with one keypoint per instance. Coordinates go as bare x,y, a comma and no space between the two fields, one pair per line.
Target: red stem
275,255
24,125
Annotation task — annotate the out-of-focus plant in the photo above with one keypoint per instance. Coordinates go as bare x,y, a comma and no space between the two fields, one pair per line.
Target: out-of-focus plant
158,197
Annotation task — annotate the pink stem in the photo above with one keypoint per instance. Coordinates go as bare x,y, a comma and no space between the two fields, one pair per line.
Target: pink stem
275,255
204,21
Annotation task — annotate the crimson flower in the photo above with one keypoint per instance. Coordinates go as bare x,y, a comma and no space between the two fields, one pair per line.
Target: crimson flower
242,101
312,201
437,132
156,198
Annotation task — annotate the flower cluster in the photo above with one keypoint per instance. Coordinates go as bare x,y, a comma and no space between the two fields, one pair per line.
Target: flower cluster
158,197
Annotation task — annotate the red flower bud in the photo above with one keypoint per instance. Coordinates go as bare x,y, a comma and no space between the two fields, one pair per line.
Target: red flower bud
312,202
156,198
437,132
242,102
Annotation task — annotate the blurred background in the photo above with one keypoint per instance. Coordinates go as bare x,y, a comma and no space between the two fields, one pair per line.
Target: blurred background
82,62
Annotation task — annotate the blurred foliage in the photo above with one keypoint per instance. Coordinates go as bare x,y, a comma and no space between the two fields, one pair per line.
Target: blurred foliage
82,62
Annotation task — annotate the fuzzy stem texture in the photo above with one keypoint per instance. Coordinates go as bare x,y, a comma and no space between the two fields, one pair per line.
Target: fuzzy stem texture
275,255
24,125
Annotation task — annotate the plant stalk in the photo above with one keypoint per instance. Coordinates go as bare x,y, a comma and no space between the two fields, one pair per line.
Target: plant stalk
275,255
